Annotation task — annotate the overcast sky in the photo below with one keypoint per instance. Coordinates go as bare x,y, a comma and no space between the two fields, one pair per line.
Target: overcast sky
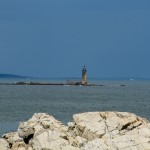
55,38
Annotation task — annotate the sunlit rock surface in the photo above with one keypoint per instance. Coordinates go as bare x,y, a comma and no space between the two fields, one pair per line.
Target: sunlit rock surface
88,131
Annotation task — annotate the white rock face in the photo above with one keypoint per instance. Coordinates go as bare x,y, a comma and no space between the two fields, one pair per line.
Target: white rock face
89,131
12,138
4,145
49,140
95,144
113,130
37,123
69,147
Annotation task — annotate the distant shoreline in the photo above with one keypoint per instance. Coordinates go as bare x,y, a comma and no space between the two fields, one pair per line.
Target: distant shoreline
5,76
53,84
46,83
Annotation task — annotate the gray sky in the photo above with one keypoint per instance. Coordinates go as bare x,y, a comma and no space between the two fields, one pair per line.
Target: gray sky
55,38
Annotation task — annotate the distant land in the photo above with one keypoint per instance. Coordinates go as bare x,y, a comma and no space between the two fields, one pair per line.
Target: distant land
3,75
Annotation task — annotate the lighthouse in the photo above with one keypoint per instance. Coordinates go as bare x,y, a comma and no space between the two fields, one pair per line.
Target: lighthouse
84,76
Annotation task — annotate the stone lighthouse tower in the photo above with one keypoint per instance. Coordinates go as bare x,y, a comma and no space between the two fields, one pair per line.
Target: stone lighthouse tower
84,76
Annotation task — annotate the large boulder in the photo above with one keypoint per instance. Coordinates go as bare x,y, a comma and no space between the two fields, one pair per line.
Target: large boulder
43,131
38,123
113,130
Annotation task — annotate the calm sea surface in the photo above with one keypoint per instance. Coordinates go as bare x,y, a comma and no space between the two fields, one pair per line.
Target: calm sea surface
19,102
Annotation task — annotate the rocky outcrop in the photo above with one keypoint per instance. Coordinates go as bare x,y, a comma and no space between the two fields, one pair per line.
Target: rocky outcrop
89,131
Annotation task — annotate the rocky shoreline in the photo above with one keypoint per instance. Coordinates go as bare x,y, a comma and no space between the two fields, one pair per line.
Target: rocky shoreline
88,131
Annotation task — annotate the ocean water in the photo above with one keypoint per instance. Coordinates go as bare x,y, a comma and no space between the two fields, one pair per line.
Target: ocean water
19,102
